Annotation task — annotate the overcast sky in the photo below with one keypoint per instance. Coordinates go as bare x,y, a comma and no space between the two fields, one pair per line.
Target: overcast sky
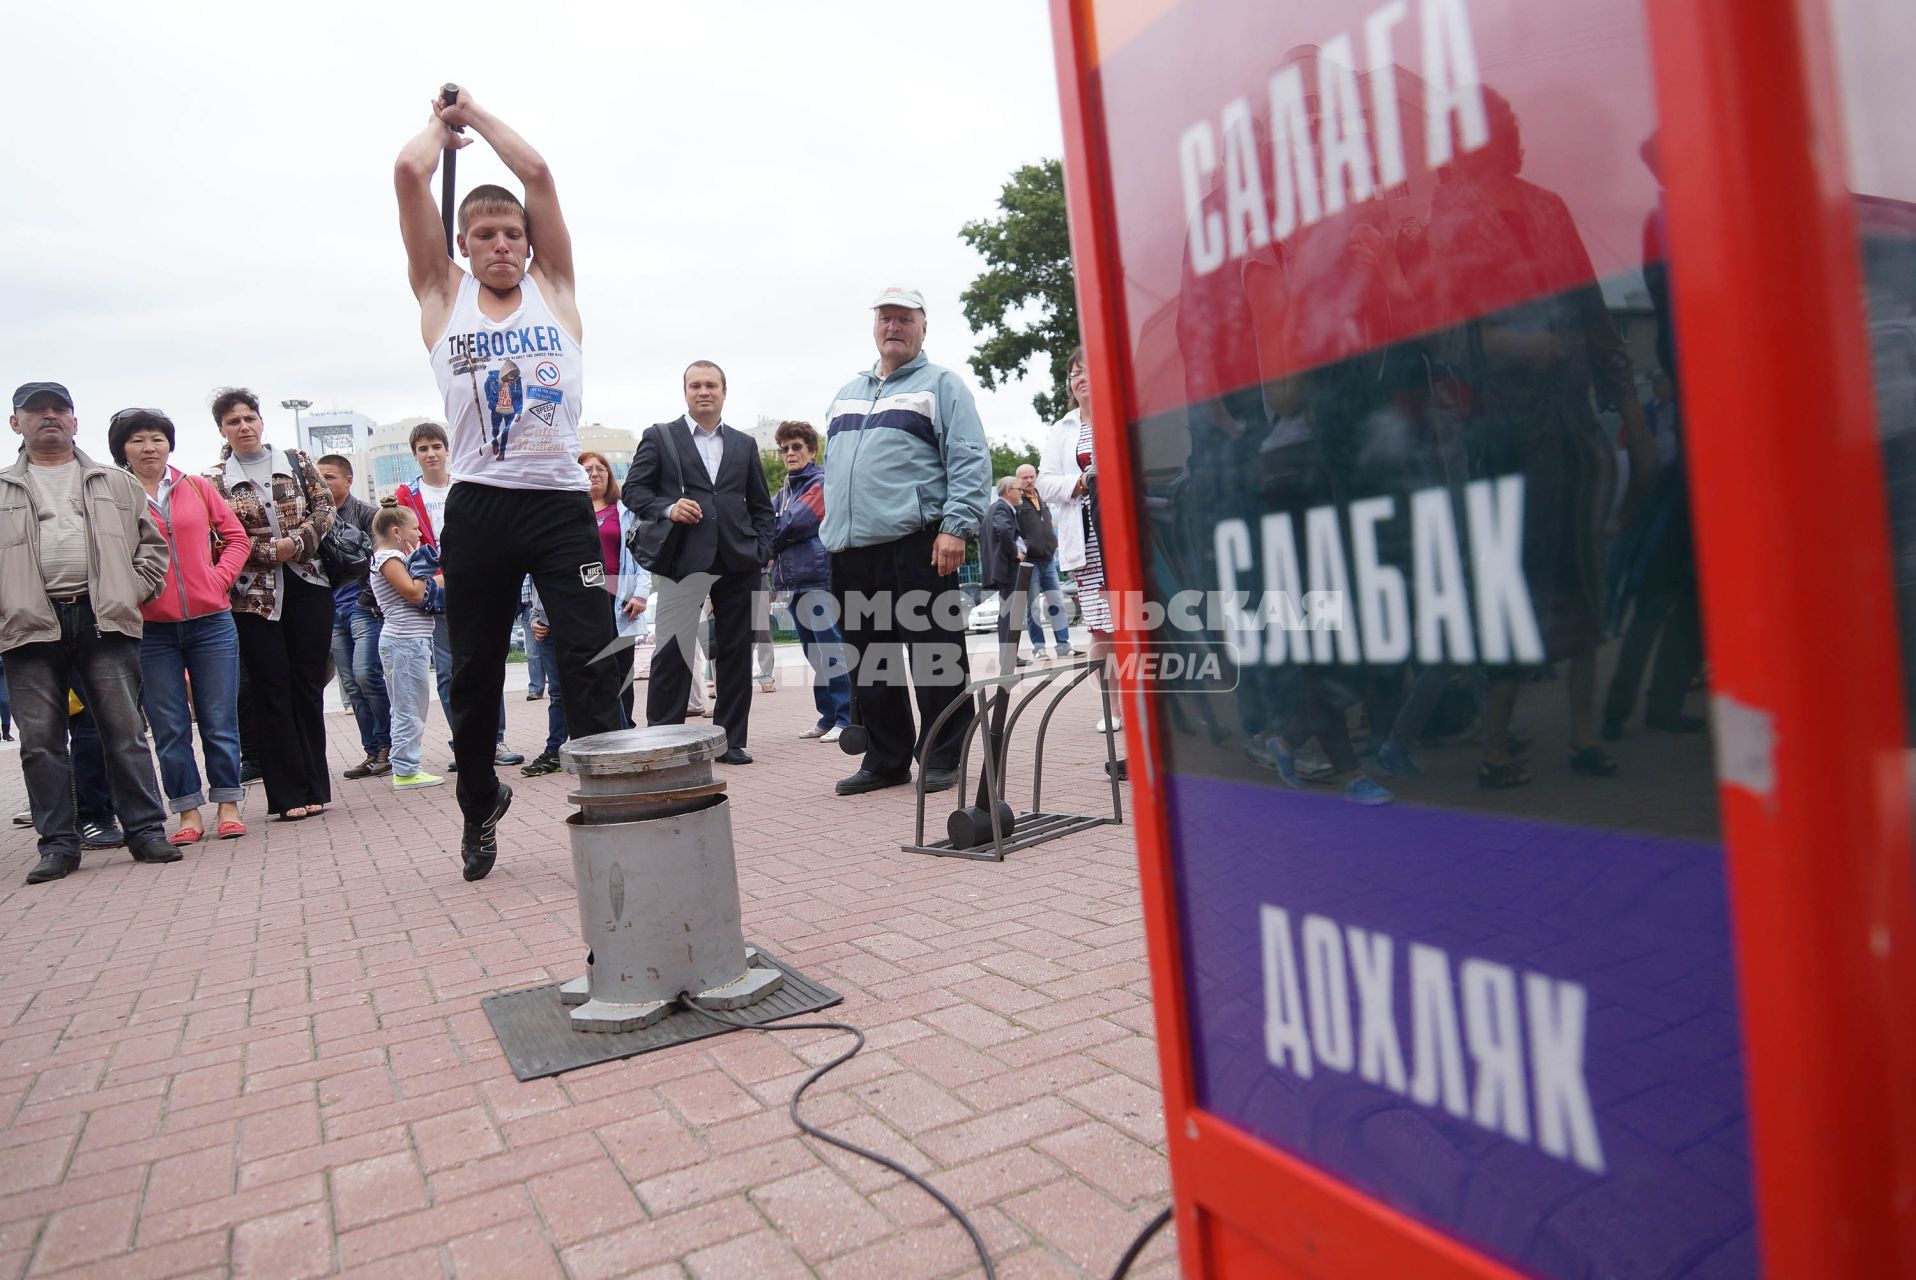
201,195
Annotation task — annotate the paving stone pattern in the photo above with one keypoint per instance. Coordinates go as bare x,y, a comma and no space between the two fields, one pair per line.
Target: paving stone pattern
270,1059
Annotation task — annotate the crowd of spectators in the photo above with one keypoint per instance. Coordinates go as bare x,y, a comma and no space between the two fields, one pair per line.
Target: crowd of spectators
142,599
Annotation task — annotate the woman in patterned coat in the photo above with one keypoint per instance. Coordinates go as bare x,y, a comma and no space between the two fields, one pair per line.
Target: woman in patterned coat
282,603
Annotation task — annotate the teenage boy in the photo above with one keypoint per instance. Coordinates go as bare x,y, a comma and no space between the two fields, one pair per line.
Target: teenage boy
520,500
426,497
356,624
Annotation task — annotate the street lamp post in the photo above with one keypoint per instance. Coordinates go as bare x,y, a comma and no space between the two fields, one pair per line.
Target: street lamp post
299,441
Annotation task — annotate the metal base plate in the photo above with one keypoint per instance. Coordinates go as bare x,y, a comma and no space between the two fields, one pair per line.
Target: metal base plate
535,1029
602,1017
1029,829
757,983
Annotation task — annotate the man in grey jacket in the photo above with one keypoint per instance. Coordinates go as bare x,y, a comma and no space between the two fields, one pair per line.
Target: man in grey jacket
79,555
908,431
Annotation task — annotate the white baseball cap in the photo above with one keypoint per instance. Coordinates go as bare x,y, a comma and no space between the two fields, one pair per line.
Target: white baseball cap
899,296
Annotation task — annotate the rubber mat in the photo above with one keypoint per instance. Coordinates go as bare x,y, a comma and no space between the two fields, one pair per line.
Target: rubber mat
534,1030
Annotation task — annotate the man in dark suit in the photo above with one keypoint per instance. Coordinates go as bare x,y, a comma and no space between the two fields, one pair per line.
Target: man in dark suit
999,553
705,478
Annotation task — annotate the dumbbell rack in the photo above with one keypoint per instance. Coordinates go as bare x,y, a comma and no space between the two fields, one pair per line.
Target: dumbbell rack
1035,825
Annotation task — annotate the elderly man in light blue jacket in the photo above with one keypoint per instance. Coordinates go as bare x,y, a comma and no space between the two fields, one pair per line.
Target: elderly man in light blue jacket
907,478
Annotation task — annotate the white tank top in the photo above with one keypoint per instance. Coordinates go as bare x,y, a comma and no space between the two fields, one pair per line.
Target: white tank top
511,389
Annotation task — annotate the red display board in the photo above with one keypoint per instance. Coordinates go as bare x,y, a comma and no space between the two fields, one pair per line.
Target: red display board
1527,337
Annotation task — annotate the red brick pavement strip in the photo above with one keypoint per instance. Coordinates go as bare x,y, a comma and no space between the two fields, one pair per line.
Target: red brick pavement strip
270,1060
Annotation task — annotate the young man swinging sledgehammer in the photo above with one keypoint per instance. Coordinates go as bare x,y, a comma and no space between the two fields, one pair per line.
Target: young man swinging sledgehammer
505,349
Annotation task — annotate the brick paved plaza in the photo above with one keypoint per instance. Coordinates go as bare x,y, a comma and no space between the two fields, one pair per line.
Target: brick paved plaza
270,1059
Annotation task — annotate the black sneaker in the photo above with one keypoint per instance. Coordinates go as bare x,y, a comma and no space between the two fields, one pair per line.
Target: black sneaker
249,772
101,833
940,780
542,764
480,847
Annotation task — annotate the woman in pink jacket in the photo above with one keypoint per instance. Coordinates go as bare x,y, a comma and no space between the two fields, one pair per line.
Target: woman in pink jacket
189,633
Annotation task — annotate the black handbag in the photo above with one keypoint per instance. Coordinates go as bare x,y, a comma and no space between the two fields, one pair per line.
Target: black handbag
650,539
345,553
345,549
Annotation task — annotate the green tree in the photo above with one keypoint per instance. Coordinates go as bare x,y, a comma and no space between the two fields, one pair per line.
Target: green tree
1028,275
773,464
1007,458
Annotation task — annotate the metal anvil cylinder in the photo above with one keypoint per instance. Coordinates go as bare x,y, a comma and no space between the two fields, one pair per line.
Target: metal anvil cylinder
657,882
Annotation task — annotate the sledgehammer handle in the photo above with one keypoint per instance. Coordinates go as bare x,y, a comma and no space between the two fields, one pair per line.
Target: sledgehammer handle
448,95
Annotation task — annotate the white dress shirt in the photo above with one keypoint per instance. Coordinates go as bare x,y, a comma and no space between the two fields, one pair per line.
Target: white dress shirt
711,447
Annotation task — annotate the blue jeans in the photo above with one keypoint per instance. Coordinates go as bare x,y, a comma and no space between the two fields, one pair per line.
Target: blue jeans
1047,604
442,674
204,651
408,690
356,659
555,703
823,647
538,656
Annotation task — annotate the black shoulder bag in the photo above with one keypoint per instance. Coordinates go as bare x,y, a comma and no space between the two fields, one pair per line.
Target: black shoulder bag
650,538
345,551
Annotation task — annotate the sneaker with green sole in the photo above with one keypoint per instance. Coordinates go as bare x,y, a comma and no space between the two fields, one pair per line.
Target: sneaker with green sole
414,781
542,764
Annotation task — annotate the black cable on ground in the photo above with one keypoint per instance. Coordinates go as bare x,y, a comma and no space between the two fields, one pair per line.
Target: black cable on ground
977,1241
1143,1238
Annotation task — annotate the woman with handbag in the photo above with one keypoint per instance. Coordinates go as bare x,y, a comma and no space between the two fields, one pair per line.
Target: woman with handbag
189,635
629,584
282,603
1090,573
